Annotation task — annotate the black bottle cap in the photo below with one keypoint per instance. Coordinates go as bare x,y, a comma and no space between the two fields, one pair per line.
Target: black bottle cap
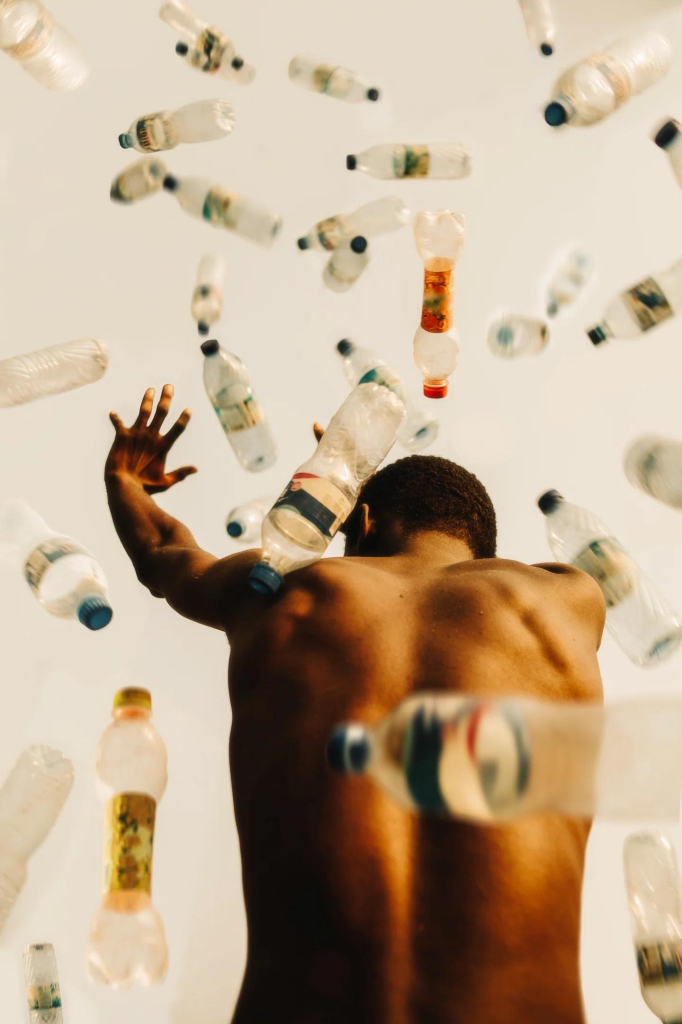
596,335
182,49
209,348
170,183
203,328
549,501
373,94
358,244
348,749
555,114
666,133
546,49
238,63
351,162
302,243
344,347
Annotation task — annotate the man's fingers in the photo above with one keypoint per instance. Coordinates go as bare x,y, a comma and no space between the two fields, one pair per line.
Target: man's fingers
318,431
145,409
178,427
162,407
180,474
116,420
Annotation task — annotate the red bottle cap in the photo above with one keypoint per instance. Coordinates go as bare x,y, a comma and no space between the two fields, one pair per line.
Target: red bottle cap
436,390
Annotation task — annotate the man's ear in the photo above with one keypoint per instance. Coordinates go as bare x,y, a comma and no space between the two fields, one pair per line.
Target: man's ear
367,526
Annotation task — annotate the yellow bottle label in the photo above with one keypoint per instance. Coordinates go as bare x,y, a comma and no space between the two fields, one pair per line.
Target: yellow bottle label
209,51
321,75
218,207
416,163
660,963
648,304
611,568
437,302
128,841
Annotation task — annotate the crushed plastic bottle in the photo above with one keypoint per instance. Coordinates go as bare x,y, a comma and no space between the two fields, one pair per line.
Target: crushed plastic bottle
50,54
139,180
445,160
223,209
127,940
244,522
654,465
205,47
63,576
31,799
648,303
569,280
52,371
511,336
537,15
638,617
43,994
346,264
322,492
362,366
228,386
204,121
596,86
207,298
669,139
375,218
330,79
440,238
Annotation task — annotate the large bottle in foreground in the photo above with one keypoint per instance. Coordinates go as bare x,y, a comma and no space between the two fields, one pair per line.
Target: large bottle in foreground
50,54
642,307
654,465
638,617
322,492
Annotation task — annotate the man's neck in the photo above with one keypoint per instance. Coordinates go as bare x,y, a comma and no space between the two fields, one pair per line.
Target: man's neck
428,547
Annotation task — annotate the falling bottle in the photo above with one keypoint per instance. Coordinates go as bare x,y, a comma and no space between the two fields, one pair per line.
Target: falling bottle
205,47
569,280
537,15
375,218
223,209
207,298
341,83
139,180
654,465
346,264
52,371
638,309
511,336
50,54
244,522
43,994
204,121
445,160
669,139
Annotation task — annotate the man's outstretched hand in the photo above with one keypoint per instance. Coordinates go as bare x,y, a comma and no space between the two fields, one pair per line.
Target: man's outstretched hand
140,451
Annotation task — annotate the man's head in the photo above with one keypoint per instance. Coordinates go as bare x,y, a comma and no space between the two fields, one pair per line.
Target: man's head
418,494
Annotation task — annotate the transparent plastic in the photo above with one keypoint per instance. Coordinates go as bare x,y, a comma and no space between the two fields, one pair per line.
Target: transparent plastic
511,336
638,617
654,465
228,386
445,160
346,264
31,798
669,139
206,47
50,54
204,121
207,298
640,308
139,180
568,281
244,522
537,15
341,83
375,218
224,209
43,994
52,371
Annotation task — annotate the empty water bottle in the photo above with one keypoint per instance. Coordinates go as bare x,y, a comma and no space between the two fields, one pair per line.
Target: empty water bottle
568,280
346,264
399,160
321,494
215,204
209,49
375,218
669,138
138,180
64,577
510,336
50,54
244,522
638,309
51,371
362,366
31,798
638,617
228,386
654,464
207,298
592,89
537,15
42,984
204,121
330,79
127,939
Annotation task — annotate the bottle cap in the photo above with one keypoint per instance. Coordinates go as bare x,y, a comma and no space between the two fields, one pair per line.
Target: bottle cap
344,347
182,49
170,183
666,133
203,328
125,140
358,244
546,49
95,612
549,502
597,335
237,63
209,348
302,243
133,697
351,162
435,390
264,579
348,749
235,528
556,114
373,94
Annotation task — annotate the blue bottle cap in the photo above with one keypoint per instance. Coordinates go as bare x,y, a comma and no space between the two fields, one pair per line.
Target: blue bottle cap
546,49
235,528
95,612
264,579
549,501
358,244
556,114
182,49
302,243
344,346
348,749
125,140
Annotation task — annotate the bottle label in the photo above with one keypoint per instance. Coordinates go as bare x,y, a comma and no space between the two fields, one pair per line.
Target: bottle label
218,208
660,963
648,304
328,233
414,164
611,568
148,130
141,179
317,500
615,74
44,997
128,841
333,80
209,50
239,415
40,560
437,301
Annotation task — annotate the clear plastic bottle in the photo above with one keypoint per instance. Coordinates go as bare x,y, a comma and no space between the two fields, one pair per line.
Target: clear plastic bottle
440,238
375,218
204,121
330,79
669,139
51,371
596,86
244,522
537,15
215,204
207,298
228,386
362,366
568,280
346,264
511,336
638,309
42,984
206,47
50,54
321,494
652,880
654,465
638,617
64,577
139,180
31,798
400,160
127,939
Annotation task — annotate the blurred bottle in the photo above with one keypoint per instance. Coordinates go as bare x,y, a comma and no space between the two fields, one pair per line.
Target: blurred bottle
228,386
439,237
362,367
510,336
204,121
201,198
375,218
50,54
639,619
652,881
320,496
346,264
397,160
207,298
669,139
127,940
654,464
638,309
139,180
31,798
568,280
209,49
537,15
591,90
244,522
341,83
51,371
42,984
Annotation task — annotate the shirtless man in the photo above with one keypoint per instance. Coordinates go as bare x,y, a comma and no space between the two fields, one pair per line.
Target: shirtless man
358,911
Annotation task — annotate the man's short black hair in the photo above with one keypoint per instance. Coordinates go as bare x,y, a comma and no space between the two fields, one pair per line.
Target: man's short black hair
427,492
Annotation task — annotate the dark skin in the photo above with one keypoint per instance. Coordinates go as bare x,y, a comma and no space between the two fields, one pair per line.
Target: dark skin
357,910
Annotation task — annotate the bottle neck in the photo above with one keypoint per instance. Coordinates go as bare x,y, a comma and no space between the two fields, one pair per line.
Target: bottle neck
130,712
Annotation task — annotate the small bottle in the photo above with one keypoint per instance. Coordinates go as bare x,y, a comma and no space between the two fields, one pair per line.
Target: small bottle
127,940
138,180
209,49
511,336
439,238
42,984
31,798
64,577
204,121
639,619
592,89
201,198
638,309
244,522
51,371
569,280
50,54
537,15
362,366
669,139
341,83
346,264
228,386
375,218
207,298
654,464
322,492
652,880
399,160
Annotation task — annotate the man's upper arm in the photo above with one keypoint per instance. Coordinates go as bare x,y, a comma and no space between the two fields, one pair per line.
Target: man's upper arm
581,593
